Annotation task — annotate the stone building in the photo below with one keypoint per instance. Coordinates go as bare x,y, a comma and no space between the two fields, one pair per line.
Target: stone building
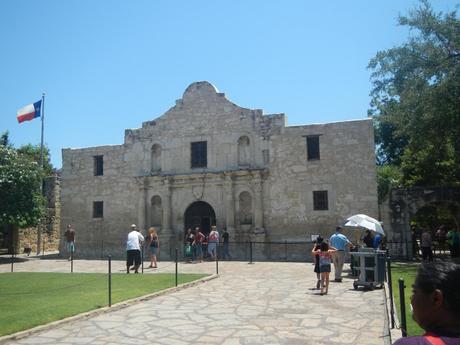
209,161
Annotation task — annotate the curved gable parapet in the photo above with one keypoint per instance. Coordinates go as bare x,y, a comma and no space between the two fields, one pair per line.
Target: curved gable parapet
203,92
201,89
203,108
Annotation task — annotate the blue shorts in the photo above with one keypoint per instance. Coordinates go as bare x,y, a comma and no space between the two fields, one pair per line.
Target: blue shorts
325,268
211,247
153,250
198,250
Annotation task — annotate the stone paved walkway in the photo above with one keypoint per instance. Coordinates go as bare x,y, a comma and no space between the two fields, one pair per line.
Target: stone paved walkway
263,303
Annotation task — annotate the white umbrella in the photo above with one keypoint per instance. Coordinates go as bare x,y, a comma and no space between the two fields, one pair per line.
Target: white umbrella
363,221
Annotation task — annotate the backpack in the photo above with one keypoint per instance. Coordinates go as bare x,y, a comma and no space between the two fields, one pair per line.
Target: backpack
213,237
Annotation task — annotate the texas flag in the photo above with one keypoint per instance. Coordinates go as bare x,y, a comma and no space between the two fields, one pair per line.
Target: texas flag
29,112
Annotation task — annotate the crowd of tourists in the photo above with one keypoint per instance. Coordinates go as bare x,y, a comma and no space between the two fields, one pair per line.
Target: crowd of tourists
425,242
199,247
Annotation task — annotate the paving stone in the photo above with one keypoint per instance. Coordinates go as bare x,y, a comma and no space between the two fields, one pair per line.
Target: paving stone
246,304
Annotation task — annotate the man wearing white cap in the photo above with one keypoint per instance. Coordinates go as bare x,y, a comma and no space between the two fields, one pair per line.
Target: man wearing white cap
133,249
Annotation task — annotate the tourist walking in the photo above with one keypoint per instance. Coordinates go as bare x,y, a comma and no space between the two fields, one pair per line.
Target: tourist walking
325,257
153,242
226,253
198,244
133,249
340,242
213,241
69,237
436,304
426,244
188,241
441,238
316,247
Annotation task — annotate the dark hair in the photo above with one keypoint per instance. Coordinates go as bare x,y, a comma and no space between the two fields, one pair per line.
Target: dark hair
319,240
324,246
444,276
338,228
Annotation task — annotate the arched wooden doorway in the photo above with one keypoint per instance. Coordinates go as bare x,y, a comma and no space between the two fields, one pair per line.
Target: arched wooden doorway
200,214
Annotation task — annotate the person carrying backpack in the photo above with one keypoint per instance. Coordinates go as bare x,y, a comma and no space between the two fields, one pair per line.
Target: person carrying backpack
213,241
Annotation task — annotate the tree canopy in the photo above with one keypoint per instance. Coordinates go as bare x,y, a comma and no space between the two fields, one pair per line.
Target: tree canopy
20,178
416,100
21,201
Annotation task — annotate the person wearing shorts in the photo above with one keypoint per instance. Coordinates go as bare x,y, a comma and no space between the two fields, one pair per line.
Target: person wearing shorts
213,242
133,249
198,244
325,253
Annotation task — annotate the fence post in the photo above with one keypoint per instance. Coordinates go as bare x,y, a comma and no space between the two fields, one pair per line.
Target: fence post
142,259
402,301
390,288
177,257
43,251
250,253
71,260
285,250
12,261
217,264
110,280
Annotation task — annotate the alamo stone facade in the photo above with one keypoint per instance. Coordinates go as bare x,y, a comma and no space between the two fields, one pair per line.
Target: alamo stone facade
208,161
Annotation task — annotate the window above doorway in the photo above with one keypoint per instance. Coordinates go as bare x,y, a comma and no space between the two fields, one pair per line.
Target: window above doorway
199,154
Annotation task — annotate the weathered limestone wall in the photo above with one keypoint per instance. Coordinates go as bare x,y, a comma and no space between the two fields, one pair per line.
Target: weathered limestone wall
250,156
346,169
98,237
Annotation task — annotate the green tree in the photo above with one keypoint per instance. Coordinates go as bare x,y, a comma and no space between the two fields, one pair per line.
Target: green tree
5,139
21,202
388,177
416,99
33,152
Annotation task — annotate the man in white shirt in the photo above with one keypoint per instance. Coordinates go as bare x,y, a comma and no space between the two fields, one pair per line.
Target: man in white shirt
133,249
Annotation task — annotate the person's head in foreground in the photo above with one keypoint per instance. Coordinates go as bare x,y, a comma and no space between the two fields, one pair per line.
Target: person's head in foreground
436,301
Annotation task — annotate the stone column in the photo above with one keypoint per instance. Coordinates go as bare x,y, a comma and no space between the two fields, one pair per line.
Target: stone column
167,206
141,208
167,242
258,203
230,202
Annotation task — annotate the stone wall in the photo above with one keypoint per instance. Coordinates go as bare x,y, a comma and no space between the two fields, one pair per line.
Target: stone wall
253,160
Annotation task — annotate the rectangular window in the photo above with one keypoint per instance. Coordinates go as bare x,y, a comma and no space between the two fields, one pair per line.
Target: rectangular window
98,209
266,156
199,154
320,202
98,165
312,147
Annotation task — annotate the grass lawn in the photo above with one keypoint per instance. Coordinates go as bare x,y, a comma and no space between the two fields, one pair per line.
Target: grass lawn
408,273
32,299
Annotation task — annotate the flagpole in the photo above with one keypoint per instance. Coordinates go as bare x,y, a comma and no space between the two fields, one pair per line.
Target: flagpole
43,129
42,115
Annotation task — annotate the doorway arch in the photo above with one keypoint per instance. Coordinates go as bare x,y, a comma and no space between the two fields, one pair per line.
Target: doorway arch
200,214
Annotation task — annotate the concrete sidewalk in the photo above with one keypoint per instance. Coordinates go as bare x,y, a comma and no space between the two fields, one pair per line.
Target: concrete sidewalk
263,303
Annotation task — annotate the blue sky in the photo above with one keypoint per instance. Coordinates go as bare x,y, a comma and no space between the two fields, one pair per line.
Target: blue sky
109,65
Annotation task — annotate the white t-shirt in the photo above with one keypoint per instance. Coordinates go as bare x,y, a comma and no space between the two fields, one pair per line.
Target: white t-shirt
134,240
